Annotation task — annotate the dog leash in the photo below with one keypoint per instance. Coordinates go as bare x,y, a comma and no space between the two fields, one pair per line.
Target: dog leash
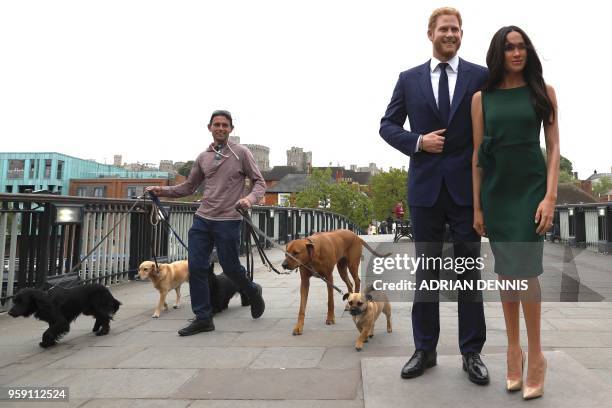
164,217
91,251
155,217
314,273
247,218
264,258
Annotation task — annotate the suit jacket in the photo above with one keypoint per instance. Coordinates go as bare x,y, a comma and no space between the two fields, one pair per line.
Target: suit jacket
413,98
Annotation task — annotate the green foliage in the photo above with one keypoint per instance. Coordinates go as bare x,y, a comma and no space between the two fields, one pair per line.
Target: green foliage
342,198
565,165
317,193
602,186
565,177
350,202
387,189
186,168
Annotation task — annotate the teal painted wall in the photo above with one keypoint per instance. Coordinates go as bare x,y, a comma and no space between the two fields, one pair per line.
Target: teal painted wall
35,172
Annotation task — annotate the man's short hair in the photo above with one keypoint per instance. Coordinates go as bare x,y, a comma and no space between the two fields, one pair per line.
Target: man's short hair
441,12
223,113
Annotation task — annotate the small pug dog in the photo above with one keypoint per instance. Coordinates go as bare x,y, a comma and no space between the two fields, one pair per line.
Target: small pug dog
365,309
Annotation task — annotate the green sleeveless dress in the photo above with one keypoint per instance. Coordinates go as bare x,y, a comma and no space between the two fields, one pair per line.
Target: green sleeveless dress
513,182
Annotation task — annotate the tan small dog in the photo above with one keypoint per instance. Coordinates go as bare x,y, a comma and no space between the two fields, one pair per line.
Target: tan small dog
365,309
166,278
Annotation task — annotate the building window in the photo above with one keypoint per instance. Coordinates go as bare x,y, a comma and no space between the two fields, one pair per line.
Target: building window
47,168
60,169
26,189
135,191
81,191
33,168
283,199
99,192
15,170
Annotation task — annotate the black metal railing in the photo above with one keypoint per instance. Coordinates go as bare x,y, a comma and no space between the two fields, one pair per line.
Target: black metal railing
43,237
584,225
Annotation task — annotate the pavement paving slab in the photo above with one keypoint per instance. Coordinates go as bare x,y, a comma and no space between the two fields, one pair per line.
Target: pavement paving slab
272,384
568,385
257,363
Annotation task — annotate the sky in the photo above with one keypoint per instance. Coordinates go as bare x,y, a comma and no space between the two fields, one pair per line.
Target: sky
140,78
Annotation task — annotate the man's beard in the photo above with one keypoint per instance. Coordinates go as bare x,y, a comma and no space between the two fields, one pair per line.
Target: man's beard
445,52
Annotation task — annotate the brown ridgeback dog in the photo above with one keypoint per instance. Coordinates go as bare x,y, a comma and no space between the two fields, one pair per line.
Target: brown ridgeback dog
321,252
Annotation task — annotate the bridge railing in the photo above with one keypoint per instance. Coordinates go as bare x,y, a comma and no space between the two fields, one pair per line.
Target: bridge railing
43,237
584,225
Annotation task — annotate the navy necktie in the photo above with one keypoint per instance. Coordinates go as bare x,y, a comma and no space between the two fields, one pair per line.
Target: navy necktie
443,94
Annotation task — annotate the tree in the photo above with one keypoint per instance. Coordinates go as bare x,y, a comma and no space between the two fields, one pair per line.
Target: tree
186,168
317,193
565,167
341,198
603,186
565,177
387,189
350,202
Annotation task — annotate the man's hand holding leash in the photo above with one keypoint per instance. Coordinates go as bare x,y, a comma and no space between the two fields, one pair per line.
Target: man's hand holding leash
243,204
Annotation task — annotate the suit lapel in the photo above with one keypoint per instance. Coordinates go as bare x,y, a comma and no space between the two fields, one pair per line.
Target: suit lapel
425,83
463,80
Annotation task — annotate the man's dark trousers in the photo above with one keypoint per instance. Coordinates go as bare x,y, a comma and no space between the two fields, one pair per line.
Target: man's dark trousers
203,236
428,228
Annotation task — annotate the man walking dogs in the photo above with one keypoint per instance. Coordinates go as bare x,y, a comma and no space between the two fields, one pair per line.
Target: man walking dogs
222,167
436,98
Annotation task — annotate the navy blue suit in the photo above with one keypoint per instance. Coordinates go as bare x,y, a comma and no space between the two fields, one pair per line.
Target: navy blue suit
439,192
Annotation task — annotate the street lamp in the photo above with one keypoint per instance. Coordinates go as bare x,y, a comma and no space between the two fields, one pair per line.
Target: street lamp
68,213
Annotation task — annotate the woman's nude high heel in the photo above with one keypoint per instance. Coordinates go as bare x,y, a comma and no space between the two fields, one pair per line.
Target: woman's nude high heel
515,385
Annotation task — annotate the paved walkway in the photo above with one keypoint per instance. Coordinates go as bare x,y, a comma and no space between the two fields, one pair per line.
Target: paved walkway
258,363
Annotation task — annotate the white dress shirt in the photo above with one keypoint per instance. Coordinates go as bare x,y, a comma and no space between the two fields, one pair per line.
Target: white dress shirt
451,71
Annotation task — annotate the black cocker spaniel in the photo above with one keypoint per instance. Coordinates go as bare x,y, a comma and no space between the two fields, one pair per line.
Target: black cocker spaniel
59,307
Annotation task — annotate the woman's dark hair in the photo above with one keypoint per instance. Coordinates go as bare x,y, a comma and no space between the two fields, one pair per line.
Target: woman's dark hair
223,113
532,73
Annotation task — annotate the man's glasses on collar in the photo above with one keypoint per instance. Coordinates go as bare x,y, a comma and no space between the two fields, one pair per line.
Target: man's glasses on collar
218,154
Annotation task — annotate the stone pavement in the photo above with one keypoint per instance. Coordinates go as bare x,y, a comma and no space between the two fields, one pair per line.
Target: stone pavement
258,363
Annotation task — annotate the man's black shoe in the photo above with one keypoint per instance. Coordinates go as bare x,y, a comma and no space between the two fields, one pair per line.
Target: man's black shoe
419,361
257,303
477,371
197,326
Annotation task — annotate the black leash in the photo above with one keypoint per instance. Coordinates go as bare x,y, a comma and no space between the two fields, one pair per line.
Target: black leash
314,273
250,262
91,251
254,229
164,217
262,254
264,259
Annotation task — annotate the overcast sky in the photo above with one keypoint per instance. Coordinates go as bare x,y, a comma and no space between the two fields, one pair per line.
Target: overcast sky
140,78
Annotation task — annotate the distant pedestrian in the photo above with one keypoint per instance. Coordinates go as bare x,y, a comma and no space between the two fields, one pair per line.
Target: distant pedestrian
399,211
390,228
